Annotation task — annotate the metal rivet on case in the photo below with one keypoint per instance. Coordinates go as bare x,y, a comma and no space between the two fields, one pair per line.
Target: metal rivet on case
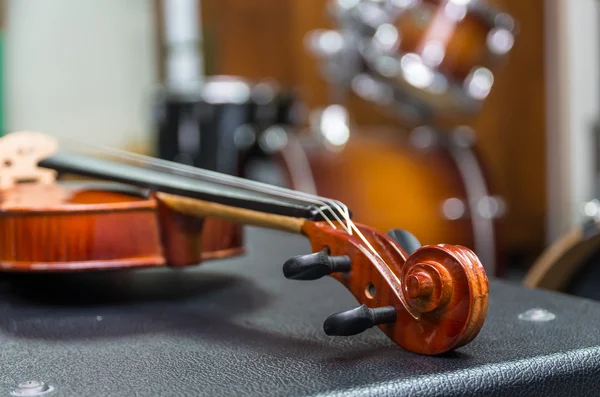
32,388
537,315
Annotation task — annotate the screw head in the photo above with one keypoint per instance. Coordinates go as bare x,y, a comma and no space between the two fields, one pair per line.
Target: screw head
31,388
537,315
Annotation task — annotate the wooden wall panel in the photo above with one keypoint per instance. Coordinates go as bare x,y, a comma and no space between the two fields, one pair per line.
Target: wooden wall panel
512,131
250,38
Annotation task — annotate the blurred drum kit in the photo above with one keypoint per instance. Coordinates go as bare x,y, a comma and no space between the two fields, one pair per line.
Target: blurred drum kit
418,60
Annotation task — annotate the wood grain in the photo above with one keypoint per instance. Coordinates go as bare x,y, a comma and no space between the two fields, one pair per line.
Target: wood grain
94,229
512,130
387,183
250,38
85,233
450,316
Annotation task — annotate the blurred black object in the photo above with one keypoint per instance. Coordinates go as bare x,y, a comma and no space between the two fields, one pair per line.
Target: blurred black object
226,125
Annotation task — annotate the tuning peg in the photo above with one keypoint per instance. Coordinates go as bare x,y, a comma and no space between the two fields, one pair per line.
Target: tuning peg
405,239
355,321
314,266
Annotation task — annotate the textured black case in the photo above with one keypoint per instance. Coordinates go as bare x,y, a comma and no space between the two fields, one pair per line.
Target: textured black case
238,327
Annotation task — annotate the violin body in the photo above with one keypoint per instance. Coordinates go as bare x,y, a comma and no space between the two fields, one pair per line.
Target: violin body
100,226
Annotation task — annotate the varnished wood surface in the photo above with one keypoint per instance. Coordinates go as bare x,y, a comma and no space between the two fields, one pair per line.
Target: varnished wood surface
80,235
448,314
191,239
387,184
93,229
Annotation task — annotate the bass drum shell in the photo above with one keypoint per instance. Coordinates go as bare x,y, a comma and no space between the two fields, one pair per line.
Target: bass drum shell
389,183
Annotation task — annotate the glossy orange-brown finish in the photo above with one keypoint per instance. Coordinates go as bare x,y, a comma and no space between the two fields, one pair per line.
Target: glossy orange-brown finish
464,42
388,183
440,292
64,227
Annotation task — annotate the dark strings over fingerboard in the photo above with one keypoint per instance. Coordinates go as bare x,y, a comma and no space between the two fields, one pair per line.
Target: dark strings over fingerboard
168,177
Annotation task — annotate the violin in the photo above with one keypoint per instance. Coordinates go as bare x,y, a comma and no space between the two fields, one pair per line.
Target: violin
139,212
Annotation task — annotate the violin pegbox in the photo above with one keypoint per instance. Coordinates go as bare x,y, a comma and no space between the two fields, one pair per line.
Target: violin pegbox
20,153
430,302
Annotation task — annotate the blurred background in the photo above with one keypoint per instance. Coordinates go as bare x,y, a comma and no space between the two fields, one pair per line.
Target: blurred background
466,122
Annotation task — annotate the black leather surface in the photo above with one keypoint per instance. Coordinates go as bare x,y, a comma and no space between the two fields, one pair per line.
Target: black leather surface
238,327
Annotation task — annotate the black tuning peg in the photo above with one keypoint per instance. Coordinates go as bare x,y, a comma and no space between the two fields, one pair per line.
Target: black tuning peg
355,321
314,266
405,239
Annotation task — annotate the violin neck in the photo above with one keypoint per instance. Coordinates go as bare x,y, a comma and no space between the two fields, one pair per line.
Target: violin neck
204,185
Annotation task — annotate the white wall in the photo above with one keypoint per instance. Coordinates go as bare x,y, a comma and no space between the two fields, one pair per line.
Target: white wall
573,82
81,68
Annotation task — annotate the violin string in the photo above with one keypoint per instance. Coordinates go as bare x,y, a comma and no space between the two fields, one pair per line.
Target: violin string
320,204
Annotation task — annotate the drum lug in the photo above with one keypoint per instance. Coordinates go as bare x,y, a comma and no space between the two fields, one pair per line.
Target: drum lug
454,209
591,210
489,207
423,137
273,139
463,137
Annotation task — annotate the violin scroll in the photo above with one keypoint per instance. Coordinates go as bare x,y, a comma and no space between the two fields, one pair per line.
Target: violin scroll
430,302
